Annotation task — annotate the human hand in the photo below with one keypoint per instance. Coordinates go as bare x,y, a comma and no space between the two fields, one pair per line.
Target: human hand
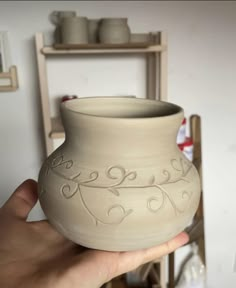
34,255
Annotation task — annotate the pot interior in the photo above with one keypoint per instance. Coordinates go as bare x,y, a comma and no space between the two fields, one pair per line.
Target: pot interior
125,107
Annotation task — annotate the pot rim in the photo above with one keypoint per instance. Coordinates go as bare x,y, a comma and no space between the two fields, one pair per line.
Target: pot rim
67,107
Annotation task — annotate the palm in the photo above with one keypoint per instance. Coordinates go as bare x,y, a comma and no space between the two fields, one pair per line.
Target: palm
41,257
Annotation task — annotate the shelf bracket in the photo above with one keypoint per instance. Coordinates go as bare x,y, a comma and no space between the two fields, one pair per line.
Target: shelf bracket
12,76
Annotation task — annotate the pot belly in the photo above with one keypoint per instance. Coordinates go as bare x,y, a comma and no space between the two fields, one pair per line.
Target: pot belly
118,208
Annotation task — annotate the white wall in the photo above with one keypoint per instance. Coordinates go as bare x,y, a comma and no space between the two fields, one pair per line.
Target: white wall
202,45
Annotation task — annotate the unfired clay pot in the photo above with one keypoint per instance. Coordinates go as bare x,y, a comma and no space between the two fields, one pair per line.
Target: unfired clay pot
119,181
114,31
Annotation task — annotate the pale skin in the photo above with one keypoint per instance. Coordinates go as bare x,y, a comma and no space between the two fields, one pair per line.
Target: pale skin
34,255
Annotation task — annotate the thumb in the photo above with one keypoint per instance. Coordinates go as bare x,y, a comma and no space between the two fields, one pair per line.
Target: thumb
22,200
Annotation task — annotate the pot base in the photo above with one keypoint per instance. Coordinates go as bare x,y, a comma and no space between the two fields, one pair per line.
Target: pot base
117,244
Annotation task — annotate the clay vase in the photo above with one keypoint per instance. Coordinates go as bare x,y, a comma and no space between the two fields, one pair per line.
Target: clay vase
119,181
114,31
74,30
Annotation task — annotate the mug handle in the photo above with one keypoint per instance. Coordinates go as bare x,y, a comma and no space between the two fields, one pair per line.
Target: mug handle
53,17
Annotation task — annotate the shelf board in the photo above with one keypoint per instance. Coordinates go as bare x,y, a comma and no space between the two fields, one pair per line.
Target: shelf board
129,45
103,49
57,129
7,88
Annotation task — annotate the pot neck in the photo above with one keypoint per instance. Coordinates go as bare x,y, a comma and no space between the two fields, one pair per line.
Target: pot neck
142,137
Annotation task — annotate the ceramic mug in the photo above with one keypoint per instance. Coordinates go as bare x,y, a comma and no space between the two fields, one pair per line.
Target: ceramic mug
74,30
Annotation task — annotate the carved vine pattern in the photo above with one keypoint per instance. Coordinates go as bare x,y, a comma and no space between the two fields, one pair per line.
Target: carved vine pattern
67,192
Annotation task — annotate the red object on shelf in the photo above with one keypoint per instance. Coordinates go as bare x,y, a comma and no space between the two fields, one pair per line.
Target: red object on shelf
187,148
182,132
68,97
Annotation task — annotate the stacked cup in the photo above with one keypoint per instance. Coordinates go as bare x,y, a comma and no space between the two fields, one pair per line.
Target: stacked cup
74,30
70,29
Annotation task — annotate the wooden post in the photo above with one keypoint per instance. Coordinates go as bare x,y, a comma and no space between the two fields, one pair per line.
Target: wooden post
43,85
151,76
163,68
171,272
163,272
195,130
14,79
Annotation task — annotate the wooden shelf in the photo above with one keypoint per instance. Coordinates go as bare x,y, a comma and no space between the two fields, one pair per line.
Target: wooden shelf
102,49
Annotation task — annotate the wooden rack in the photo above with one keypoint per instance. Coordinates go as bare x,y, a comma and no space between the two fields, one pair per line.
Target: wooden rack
155,53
